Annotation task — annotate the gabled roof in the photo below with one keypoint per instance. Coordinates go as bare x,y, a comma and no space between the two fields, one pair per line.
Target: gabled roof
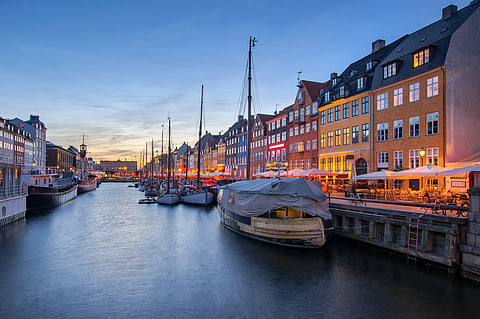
435,36
313,88
264,118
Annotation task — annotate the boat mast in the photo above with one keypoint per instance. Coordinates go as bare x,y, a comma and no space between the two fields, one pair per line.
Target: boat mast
249,126
168,159
186,165
151,163
161,158
200,139
83,154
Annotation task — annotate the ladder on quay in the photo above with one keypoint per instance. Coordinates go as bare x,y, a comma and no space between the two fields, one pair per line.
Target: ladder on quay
412,242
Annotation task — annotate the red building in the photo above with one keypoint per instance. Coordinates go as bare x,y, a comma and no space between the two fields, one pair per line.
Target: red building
302,126
258,145
277,129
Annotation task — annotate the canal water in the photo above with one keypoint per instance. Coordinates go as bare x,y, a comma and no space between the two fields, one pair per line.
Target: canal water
105,256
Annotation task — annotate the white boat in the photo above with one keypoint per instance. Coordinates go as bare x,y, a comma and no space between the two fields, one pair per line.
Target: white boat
284,211
199,195
168,198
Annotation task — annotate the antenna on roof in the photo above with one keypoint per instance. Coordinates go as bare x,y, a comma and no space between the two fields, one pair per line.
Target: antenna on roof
276,110
299,81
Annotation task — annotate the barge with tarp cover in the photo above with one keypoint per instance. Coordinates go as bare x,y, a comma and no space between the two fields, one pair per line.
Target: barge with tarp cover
291,212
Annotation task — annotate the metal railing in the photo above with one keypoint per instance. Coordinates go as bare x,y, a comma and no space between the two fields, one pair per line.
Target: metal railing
436,209
12,191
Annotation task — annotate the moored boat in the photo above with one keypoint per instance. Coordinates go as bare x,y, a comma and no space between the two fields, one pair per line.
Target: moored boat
50,190
169,197
86,182
284,211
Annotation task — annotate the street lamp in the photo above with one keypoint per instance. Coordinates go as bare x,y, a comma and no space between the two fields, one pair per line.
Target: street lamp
422,154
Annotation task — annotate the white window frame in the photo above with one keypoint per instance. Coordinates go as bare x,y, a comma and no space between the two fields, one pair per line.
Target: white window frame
414,92
398,129
398,97
432,86
432,119
382,160
382,101
414,126
382,132
397,159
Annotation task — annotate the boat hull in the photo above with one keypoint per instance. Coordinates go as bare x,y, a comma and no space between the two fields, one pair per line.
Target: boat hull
168,199
201,198
86,186
308,232
42,197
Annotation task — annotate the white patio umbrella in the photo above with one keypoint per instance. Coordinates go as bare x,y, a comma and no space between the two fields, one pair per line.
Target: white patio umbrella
462,171
316,172
295,172
422,171
385,174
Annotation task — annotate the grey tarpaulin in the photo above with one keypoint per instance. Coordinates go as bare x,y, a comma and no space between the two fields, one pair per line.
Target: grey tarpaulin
256,197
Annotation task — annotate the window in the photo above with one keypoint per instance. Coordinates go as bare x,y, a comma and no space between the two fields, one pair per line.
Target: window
355,134
307,128
302,129
307,110
432,123
327,96
314,144
365,105
389,70
338,137
338,113
414,124
382,132
414,92
278,137
323,117
398,97
300,96
360,83
432,156
397,159
398,129
330,161
291,148
382,101
307,146
330,139
346,136
296,130
314,126
291,132
369,65
414,158
382,160
338,163
290,116
335,81
323,140
302,114
432,86
307,164
302,166
314,108
342,91
322,164
420,58
330,115
284,136
296,115
365,132
355,108
346,110
284,121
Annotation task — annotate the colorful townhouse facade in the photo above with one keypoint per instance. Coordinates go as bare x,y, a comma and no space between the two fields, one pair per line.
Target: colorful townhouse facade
258,146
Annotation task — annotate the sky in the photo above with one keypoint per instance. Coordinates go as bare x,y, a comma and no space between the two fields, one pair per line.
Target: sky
115,70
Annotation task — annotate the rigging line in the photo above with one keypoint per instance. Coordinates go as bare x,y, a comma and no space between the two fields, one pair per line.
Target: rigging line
255,96
241,98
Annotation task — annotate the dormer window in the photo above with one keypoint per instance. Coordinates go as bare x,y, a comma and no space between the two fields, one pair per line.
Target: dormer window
327,96
335,81
300,97
360,83
390,70
369,65
421,57
342,91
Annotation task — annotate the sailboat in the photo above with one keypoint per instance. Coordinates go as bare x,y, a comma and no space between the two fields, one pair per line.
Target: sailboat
168,198
200,195
87,182
290,212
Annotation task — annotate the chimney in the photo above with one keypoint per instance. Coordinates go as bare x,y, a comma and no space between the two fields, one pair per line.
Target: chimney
377,45
447,12
333,76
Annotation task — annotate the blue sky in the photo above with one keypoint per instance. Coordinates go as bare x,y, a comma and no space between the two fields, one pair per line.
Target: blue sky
114,70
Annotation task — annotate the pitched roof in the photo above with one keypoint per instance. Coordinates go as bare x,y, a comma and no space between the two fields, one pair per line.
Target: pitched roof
265,117
313,88
435,36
